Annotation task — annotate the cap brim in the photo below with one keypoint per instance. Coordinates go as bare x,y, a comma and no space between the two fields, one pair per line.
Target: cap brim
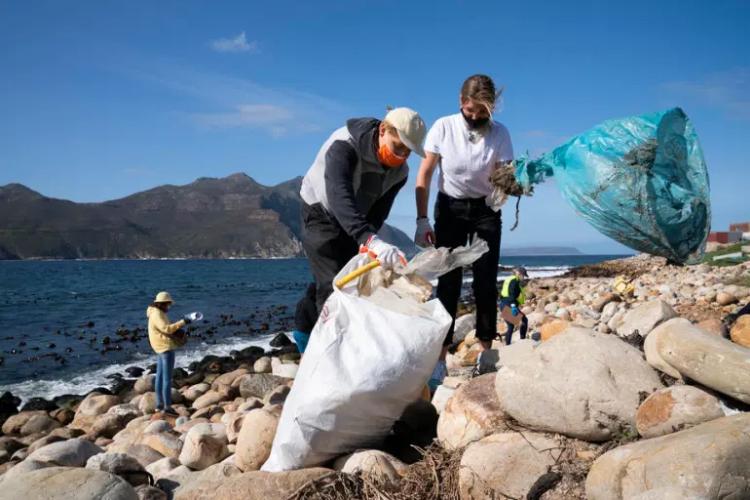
413,147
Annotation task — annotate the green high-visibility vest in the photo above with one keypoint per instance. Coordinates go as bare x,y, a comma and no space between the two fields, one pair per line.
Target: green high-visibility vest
505,292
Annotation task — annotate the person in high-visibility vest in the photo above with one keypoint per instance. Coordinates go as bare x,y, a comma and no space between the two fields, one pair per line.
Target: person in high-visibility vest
512,295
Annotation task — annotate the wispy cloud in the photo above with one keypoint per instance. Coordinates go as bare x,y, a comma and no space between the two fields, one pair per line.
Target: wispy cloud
275,119
230,102
236,44
726,91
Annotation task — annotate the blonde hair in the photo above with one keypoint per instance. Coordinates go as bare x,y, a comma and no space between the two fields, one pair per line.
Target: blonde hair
389,128
481,89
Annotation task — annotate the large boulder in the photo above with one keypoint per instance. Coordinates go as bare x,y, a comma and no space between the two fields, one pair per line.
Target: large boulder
255,439
593,398
195,391
121,465
23,467
65,483
15,423
167,443
144,454
144,384
472,413
39,424
112,422
681,349
48,439
258,384
250,485
205,445
91,407
226,380
645,317
71,453
505,465
147,403
676,408
215,473
209,399
706,461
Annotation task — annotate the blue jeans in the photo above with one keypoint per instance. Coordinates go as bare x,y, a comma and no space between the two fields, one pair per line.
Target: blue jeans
163,382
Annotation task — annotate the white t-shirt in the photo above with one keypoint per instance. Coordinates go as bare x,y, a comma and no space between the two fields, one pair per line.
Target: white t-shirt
465,166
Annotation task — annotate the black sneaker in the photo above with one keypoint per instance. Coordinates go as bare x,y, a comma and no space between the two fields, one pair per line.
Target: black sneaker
170,412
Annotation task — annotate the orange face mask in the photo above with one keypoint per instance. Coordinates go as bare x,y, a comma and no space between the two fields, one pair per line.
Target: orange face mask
389,158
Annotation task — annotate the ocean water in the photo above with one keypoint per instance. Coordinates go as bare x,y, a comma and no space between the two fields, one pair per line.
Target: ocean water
65,326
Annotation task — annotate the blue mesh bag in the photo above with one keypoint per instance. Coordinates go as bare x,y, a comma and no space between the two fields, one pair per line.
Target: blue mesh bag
640,180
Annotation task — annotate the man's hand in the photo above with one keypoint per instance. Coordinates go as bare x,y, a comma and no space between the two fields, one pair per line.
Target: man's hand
388,255
514,310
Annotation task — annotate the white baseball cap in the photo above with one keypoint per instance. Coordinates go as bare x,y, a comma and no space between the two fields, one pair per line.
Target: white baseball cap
410,127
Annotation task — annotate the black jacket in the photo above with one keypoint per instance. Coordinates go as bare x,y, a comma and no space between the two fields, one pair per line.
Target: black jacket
360,191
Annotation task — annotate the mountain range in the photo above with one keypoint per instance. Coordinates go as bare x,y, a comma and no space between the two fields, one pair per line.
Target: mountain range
231,217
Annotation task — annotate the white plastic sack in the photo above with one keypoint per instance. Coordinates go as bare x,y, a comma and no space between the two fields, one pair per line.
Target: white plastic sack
364,364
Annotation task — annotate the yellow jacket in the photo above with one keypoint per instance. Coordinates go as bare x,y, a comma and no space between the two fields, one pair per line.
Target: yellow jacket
160,330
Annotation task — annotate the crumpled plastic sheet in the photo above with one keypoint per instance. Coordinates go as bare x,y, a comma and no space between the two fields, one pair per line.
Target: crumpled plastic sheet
434,262
641,180
401,290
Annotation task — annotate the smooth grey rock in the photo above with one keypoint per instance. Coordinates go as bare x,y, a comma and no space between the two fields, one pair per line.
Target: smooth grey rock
66,483
579,383
71,453
706,461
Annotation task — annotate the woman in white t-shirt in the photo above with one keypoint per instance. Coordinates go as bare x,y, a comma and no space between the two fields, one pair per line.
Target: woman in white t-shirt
467,146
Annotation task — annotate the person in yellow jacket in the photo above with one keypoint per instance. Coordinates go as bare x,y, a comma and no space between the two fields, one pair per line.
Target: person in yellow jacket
164,341
512,295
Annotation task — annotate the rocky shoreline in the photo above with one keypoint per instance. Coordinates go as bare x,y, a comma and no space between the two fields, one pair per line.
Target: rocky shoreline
634,390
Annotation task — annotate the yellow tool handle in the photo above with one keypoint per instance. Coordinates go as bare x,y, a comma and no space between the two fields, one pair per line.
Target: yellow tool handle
357,273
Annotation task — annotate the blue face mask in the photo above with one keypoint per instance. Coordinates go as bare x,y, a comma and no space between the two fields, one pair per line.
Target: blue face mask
475,123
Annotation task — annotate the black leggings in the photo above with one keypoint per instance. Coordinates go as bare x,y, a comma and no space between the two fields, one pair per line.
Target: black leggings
456,221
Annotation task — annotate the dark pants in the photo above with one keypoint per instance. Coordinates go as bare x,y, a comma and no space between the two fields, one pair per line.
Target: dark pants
163,380
524,327
457,220
509,332
328,249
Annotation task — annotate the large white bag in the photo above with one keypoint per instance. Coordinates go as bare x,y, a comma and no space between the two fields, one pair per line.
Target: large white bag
364,364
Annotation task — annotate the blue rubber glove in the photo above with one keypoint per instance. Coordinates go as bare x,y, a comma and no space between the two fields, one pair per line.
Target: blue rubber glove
514,310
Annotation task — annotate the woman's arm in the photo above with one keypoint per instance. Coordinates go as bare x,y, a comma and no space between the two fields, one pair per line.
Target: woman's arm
424,178
162,326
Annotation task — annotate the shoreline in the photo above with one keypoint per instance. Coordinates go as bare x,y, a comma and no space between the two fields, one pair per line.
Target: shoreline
227,344
296,257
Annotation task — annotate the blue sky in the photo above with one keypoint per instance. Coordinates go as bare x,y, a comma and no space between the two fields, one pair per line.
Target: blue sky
100,99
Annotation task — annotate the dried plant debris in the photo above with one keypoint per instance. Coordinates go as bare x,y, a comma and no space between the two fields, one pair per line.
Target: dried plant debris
435,477
504,177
